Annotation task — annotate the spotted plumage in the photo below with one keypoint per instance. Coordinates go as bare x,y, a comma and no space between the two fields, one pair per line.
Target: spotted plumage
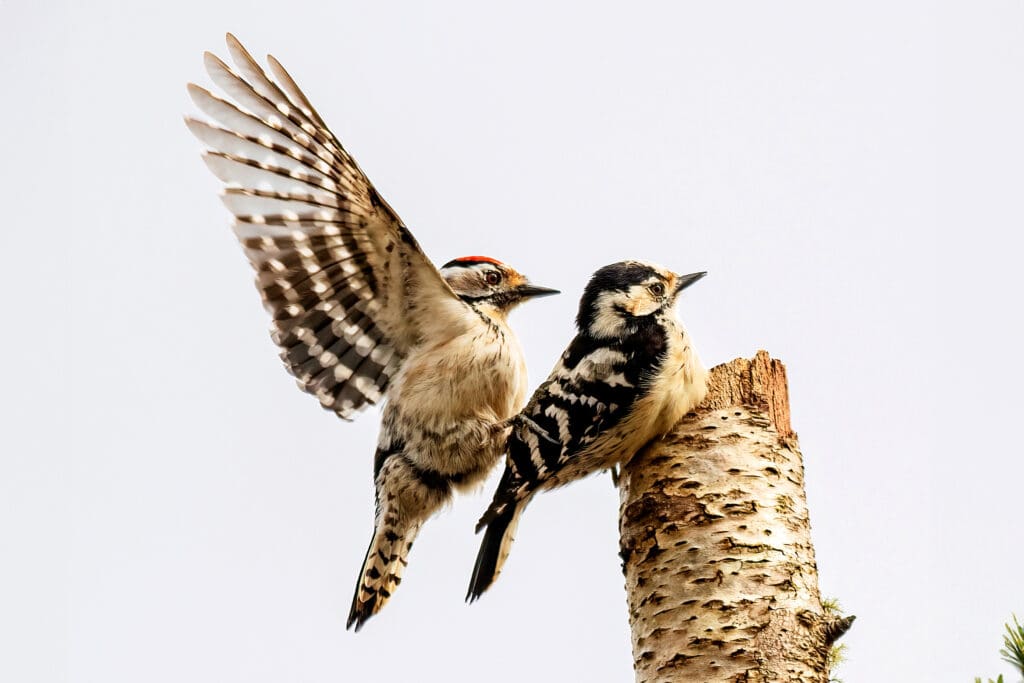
359,312
625,379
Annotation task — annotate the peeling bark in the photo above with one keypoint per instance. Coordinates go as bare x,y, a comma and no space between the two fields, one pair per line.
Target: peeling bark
715,541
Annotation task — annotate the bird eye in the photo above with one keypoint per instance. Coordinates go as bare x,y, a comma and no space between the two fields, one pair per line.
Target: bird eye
657,289
492,277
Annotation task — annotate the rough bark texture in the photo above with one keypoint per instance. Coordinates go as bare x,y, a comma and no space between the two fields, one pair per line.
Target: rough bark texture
715,540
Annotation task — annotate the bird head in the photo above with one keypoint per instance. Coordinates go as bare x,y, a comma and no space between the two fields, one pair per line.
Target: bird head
484,282
621,295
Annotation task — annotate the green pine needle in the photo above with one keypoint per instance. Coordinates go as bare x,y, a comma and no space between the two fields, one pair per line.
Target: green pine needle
1013,653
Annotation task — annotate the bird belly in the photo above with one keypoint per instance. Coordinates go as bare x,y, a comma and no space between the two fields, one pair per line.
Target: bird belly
446,400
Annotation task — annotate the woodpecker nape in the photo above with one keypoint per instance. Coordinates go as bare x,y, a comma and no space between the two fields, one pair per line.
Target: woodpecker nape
627,377
359,311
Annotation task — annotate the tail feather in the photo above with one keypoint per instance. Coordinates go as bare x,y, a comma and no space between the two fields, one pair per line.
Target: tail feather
494,549
382,572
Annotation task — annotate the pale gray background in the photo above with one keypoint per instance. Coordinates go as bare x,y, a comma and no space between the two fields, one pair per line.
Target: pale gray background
173,509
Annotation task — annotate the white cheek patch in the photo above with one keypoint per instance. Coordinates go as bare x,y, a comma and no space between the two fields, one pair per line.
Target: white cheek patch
465,281
640,302
645,307
607,321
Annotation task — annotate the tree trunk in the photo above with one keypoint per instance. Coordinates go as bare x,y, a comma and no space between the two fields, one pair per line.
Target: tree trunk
715,540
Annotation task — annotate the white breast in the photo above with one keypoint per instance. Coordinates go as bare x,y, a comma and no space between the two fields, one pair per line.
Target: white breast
447,396
682,383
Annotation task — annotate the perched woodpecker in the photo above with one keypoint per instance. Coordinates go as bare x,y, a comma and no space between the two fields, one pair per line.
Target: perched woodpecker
359,311
628,376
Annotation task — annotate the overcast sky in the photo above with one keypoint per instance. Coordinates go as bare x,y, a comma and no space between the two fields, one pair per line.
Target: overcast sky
850,174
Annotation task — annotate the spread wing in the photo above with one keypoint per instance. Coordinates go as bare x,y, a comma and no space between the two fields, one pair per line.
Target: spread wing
349,289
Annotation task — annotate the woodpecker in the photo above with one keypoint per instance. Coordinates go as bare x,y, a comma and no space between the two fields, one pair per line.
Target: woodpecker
627,377
360,313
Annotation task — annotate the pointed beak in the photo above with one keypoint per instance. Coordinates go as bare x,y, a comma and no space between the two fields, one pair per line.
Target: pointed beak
529,291
684,281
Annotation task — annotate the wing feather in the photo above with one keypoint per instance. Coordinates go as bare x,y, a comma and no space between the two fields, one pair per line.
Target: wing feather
348,288
296,95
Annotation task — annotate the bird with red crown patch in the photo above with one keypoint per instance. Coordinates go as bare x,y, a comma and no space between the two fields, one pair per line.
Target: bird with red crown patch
359,311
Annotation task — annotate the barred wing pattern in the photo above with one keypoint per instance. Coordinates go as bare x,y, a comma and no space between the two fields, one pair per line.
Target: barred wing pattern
591,390
348,287
593,386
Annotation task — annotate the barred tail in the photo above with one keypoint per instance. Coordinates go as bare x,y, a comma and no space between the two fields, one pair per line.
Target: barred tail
382,571
494,549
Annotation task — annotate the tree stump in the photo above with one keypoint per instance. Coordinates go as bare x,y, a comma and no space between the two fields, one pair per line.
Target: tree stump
715,541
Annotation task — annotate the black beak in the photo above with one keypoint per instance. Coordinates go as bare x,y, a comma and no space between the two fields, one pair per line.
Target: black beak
685,281
529,291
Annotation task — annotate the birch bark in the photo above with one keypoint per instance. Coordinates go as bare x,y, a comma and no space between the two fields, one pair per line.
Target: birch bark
715,540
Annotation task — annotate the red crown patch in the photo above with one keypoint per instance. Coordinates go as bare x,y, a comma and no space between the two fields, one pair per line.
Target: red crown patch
485,259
